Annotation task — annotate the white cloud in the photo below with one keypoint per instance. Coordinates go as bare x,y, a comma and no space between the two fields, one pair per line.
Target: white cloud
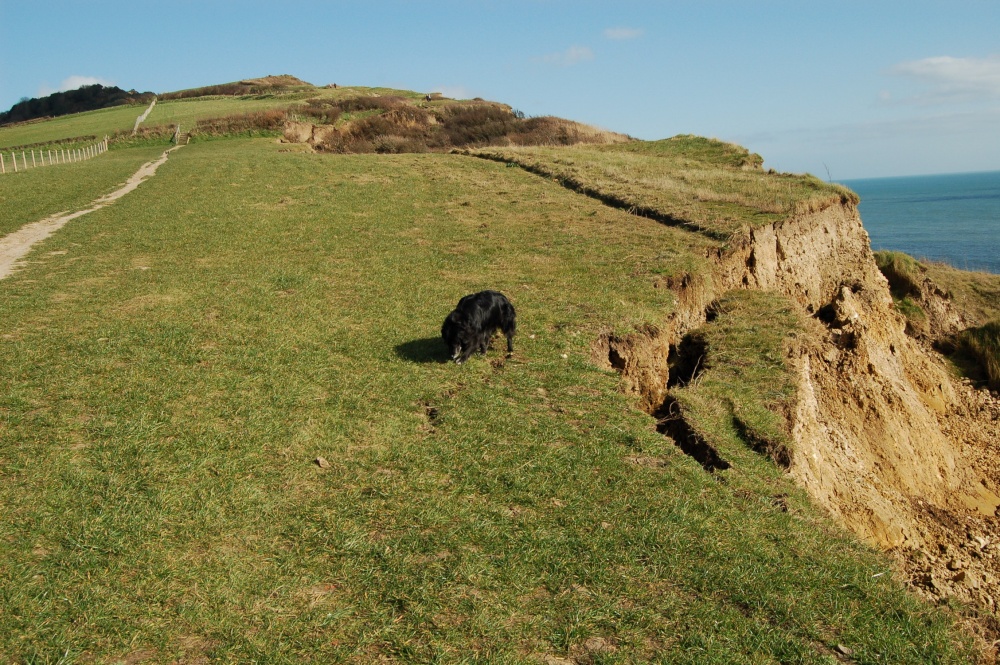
621,33
71,83
571,56
953,79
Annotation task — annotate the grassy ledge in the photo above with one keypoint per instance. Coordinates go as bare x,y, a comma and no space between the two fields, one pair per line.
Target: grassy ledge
733,380
703,185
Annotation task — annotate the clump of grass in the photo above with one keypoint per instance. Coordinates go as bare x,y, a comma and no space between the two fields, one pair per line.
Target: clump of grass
982,345
916,317
975,294
905,273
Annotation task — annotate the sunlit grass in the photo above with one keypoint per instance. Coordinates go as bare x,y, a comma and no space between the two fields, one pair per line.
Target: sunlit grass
704,185
174,364
742,387
28,196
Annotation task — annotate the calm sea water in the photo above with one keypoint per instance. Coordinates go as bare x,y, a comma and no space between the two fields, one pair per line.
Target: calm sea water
950,218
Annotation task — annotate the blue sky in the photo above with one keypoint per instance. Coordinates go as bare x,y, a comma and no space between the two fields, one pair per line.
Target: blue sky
845,89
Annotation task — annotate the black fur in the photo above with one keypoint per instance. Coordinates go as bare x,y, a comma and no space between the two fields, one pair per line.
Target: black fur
471,325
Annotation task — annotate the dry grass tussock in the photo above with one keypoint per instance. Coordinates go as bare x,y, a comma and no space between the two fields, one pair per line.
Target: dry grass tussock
982,345
242,123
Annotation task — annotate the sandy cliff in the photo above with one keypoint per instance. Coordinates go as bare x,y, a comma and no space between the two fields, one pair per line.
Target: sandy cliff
883,435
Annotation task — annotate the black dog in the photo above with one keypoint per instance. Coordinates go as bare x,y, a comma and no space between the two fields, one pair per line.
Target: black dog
470,326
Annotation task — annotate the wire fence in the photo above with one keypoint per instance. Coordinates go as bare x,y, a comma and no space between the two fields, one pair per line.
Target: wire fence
49,157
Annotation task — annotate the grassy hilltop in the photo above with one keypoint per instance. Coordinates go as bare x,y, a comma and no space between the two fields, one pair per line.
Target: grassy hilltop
173,366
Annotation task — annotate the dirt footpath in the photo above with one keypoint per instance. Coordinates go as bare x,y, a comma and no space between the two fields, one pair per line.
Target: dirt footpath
15,246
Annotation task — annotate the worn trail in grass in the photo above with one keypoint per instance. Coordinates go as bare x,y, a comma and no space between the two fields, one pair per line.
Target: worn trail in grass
173,364
14,246
32,195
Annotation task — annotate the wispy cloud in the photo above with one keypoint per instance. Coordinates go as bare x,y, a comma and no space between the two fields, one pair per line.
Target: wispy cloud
952,79
71,83
572,56
622,33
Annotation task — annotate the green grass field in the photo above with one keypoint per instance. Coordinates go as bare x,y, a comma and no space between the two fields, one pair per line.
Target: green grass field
34,194
173,365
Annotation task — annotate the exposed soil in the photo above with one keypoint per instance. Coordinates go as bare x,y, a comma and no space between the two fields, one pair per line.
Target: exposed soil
14,246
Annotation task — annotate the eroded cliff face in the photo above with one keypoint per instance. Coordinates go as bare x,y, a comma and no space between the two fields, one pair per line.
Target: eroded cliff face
868,440
896,448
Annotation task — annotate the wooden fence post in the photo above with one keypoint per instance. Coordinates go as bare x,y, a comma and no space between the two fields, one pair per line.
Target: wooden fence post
3,169
13,158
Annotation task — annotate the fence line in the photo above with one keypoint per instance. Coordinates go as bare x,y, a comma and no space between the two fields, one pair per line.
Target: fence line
62,156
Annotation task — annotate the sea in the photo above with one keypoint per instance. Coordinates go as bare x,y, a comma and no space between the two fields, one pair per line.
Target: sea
952,218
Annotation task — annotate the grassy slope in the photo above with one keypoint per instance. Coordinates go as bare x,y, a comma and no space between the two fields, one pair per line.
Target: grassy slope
186,112
169,380
29,196
92,123
701,184
975,294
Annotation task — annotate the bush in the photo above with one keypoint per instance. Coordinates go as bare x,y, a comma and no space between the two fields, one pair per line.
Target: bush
323,111
905,273
982,345
242,123
393,125
359,104
476,124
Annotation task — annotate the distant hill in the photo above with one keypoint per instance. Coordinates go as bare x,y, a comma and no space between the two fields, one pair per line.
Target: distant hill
257,86
85,98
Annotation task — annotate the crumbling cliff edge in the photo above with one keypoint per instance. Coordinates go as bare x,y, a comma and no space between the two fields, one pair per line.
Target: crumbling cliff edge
883,434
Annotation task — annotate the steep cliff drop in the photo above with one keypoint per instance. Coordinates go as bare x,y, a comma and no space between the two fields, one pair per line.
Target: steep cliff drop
893,445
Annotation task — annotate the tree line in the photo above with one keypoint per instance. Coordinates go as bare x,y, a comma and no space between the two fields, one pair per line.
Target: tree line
85,98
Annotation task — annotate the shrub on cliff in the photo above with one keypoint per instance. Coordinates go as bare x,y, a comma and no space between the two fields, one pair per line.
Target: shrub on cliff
904,273
982,345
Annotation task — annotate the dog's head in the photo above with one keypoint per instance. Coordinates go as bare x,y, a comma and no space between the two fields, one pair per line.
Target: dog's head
452,334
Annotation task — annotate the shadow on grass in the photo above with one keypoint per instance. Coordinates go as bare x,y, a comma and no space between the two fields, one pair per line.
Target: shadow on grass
428,350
